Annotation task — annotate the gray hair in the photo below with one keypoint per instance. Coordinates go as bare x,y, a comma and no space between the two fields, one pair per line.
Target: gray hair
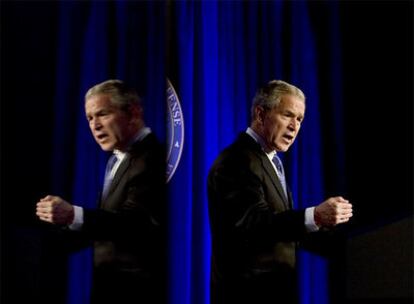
120,94
269,96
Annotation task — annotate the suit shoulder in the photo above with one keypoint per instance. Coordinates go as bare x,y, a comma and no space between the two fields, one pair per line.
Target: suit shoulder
149,153
242,152
148,146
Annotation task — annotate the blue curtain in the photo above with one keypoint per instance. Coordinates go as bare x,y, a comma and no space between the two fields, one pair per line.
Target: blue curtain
97,41
221,52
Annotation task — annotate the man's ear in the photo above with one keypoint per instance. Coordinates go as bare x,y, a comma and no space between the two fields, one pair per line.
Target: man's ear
136,112
259,113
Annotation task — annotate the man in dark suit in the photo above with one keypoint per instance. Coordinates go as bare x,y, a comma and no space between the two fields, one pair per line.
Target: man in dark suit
254,228
128,228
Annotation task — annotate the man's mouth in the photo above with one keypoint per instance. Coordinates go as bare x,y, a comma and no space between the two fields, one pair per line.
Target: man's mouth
101,137
288,137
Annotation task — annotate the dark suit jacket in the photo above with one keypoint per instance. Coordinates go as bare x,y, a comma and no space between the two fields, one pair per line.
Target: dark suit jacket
254,228
128,229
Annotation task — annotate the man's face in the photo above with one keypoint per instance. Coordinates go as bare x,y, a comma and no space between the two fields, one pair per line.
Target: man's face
280,125
110,126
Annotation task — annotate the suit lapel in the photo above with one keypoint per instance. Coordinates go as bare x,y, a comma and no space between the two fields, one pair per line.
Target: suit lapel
118,175
247,140
270,171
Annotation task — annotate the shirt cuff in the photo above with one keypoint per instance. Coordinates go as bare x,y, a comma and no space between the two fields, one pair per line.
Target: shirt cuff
310,220
77,219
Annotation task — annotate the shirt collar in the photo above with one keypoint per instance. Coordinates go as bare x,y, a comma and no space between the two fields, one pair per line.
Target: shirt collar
119,154
261,142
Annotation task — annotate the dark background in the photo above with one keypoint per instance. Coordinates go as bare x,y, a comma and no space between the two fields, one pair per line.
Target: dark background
378,86
377,56
32,267
377,260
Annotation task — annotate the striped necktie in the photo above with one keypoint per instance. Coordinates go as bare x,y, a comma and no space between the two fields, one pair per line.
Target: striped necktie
108,174
280,172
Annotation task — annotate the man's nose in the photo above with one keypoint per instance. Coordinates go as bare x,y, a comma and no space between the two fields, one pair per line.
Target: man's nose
293,125
96,124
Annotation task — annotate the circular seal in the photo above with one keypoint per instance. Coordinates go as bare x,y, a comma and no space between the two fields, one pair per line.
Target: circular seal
175,131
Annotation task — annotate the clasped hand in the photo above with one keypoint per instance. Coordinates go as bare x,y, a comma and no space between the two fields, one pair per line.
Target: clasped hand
54,209
333,211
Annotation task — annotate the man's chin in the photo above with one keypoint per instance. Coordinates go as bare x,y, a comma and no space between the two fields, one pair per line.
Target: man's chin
282,148
106,147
